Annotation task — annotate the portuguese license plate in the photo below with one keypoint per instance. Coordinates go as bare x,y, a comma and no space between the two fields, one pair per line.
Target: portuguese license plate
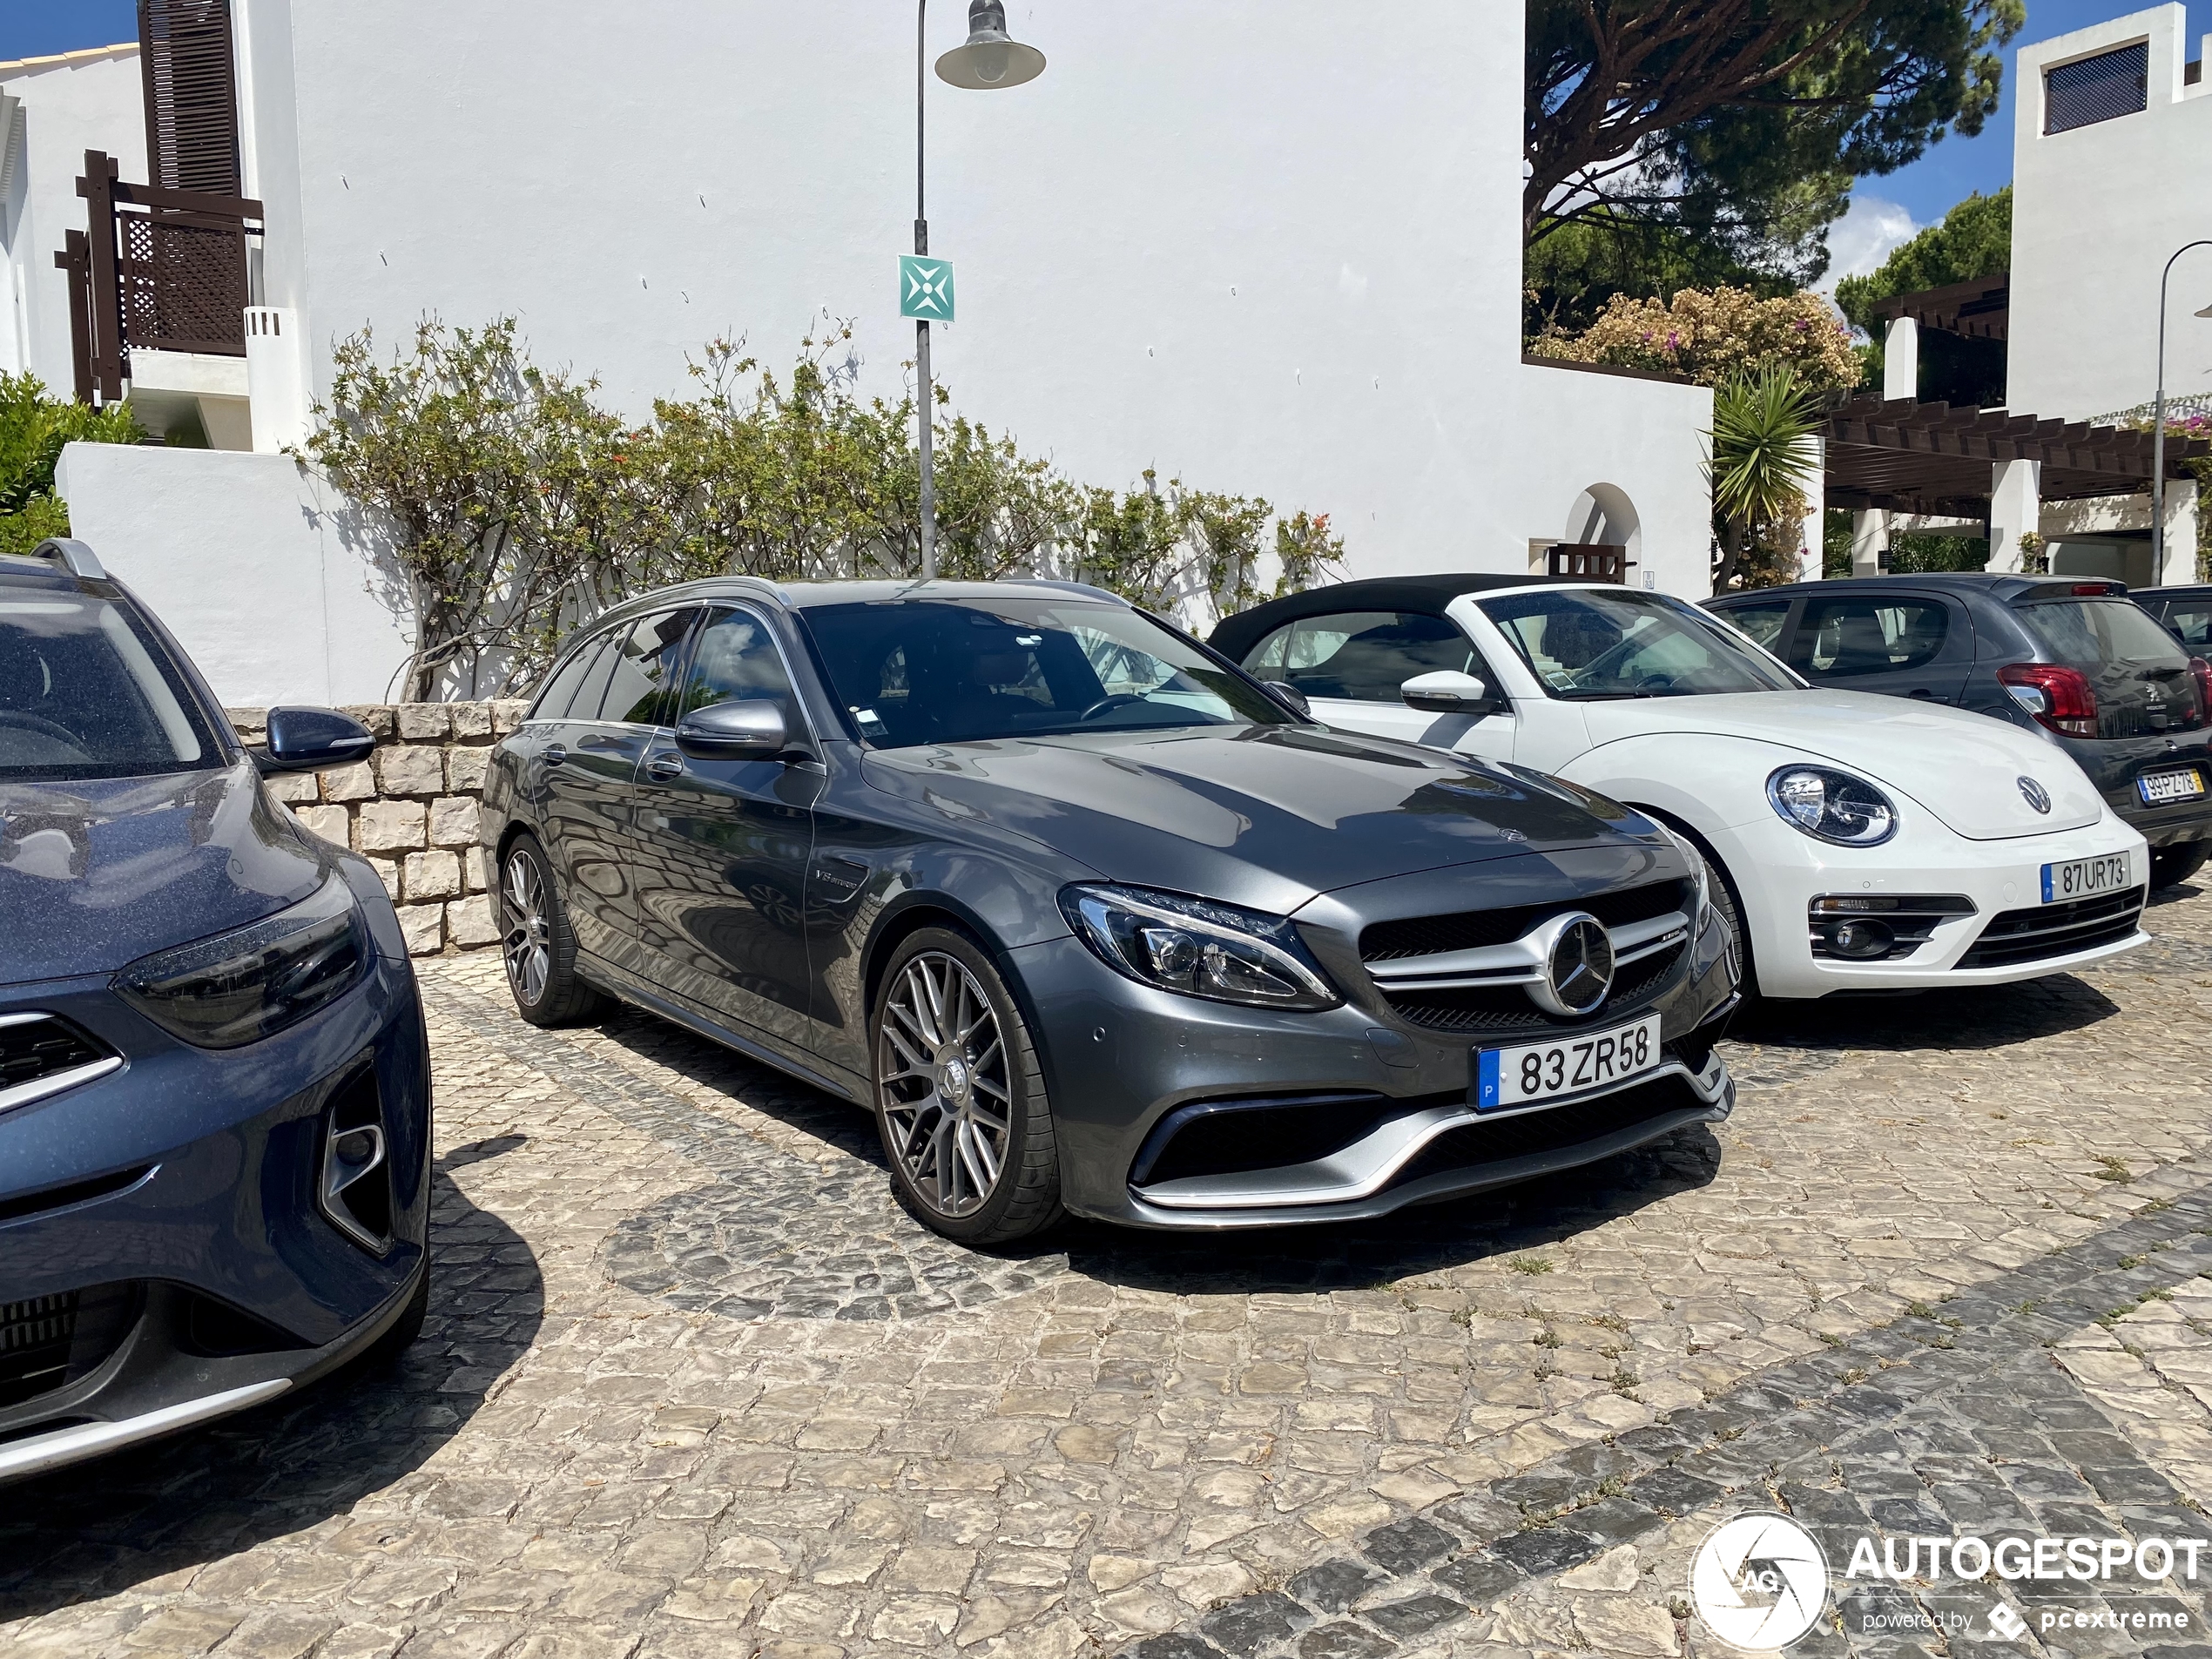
2085,878
1538,1072
2162,788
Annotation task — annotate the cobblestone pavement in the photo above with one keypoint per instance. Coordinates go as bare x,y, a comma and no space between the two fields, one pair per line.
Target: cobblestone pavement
693,1384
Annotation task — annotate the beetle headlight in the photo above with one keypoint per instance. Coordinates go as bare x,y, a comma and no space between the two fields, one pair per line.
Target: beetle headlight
254,981
1831,806
1198,947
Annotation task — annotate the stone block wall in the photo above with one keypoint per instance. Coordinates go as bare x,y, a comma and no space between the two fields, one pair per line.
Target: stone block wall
410,810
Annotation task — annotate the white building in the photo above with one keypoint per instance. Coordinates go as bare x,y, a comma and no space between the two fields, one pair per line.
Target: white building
1251,244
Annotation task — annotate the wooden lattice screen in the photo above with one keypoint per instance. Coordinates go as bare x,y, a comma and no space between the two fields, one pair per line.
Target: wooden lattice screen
190,94
1590,560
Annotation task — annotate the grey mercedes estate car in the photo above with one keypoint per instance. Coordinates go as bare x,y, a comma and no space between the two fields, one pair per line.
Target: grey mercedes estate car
1090,919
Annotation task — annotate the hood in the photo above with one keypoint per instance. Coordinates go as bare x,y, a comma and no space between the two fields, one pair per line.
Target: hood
97,874
1267,817
1964,768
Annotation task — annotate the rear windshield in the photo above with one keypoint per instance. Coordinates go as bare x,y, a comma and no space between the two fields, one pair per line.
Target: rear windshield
2099,633
87,691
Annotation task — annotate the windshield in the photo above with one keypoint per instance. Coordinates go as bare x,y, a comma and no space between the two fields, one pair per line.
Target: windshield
972,670
87,692
1585,644
2097,633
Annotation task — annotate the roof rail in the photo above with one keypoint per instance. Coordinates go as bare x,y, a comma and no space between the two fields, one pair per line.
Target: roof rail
73,556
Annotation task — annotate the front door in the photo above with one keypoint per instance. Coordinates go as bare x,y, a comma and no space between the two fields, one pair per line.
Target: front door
1350,667
722,846
1900,645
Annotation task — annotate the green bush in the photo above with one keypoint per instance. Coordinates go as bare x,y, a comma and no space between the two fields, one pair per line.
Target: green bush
33,430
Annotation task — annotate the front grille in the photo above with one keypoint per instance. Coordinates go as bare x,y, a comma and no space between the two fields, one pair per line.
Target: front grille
1496,1140
38,1046
1506,1008
1384,942
35,1338
2035,935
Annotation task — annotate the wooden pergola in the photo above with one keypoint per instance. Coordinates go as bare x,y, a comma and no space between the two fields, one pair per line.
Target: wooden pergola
1980,310
1930,458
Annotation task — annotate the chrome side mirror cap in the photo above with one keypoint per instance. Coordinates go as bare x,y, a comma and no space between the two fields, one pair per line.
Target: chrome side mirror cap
747,731
1448,691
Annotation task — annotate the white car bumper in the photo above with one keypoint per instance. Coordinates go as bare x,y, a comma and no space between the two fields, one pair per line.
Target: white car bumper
1781,872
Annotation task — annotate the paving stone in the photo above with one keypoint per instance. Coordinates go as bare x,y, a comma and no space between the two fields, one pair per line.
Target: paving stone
1334,1586
1246,1626
1415,1616
1406,1545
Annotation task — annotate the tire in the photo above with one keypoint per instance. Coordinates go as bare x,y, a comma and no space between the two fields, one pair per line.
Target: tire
537,944
939,1076
388,1348
2171,866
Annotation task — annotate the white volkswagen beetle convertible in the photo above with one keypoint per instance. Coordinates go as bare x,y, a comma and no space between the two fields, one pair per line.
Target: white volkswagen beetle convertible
1863,843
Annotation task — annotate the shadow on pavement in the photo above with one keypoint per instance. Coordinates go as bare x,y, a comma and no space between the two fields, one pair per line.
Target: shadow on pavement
98,1528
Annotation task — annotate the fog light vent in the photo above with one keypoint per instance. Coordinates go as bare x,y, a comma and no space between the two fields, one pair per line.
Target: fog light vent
1874,927
355,1184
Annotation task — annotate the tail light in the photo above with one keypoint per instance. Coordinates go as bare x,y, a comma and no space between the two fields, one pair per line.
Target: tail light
2059,697
2202,671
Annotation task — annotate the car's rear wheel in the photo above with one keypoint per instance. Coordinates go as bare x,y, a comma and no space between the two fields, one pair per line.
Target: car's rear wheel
537,943
960,1098
2171,866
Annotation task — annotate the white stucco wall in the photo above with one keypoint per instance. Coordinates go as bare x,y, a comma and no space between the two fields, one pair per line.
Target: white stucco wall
2096,212
88,100
1254,243
250,563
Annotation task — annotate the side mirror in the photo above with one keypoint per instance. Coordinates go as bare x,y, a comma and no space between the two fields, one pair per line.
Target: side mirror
312,740
750,731
1448,691
1291,697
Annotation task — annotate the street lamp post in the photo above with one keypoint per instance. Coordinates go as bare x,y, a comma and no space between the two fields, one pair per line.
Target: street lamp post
2158,424
990,61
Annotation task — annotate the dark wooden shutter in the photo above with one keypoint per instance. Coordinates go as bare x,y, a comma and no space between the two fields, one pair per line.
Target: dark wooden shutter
192,95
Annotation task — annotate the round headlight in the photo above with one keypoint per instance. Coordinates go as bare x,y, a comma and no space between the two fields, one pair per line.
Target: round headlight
1831,806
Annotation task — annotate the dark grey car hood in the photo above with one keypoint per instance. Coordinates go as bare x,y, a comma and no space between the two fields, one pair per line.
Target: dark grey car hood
1268,817
94,874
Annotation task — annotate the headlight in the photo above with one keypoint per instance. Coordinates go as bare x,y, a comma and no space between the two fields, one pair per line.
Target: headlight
1831,806
253,982
1198,947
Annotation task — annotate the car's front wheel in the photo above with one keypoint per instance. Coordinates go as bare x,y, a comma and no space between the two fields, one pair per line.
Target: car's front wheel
2171,866
537,943
960,1098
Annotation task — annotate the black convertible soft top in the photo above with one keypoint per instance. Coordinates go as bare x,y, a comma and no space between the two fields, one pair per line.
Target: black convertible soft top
1420,596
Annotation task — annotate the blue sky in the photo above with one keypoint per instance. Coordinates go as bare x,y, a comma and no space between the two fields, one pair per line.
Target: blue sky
1884,211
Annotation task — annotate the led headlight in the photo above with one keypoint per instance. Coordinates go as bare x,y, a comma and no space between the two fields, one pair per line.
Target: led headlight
1831,806
1198,947
253,982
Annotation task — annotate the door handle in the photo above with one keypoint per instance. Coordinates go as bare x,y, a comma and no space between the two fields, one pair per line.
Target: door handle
555,755
665,766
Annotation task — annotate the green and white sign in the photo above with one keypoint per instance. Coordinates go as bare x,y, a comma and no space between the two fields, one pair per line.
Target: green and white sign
924,288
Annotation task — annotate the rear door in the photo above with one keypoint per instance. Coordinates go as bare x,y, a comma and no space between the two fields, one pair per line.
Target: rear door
723,845
1900,643
1350,667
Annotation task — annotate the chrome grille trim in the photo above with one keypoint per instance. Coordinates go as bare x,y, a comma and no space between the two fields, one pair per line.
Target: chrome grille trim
1520,962
71,1057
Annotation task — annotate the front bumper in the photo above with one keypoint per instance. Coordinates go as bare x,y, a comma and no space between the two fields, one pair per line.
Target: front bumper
162,1231
1120,1058
1780,873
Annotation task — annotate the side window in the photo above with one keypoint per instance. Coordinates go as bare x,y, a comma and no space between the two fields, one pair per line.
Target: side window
1841,637
554,702
644,656
591,690
736,661
1762,623
1363,655
2192,620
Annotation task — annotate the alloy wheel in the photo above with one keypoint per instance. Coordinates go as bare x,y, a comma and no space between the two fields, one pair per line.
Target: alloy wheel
943,1080
527,946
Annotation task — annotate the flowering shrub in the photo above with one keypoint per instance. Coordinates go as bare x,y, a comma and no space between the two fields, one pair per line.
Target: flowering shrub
1713,336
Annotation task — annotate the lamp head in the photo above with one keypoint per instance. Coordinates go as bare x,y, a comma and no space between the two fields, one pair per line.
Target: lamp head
991,60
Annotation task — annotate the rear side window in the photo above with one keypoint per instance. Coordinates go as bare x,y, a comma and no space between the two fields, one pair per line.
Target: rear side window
1762,623
554,701
88,691
2192,620
645,661
1361,656
1841,637
2097,633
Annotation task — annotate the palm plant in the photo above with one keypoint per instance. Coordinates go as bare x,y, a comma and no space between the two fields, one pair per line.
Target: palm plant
1763,458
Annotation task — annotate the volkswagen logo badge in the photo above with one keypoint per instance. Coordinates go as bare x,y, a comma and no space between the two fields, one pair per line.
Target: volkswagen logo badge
1577,965
2035,795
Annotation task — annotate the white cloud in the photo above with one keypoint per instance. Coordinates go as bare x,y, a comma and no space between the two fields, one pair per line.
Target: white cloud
1867,234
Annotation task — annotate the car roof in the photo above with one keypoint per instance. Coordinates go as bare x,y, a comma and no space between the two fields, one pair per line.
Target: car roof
2179,590
1421,595
803,596
2002,586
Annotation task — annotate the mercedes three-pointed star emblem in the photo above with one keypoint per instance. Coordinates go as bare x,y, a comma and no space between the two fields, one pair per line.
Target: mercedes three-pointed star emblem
1578,966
